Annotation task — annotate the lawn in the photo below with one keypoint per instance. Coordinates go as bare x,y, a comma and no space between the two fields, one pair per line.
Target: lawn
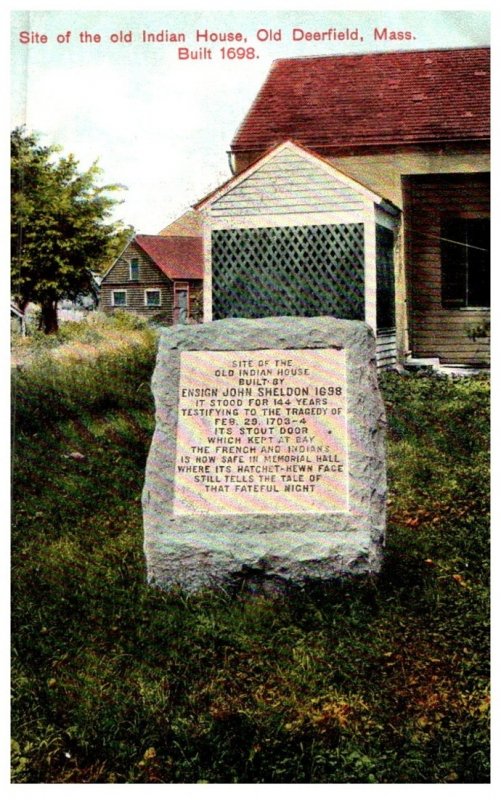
382,679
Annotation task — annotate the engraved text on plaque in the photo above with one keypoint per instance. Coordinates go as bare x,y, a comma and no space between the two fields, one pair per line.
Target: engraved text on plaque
262,432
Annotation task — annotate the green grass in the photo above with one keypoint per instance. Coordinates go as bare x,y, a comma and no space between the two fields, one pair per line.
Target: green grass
375,680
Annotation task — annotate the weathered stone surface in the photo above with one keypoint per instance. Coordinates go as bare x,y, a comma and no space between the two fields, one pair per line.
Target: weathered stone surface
211,518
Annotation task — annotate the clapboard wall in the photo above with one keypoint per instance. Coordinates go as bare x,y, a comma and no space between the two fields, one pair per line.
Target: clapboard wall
435,331
150,277
288,183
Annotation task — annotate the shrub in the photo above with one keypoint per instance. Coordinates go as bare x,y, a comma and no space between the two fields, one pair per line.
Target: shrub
46,389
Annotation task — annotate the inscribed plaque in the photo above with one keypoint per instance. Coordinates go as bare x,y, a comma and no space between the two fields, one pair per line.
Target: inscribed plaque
262,432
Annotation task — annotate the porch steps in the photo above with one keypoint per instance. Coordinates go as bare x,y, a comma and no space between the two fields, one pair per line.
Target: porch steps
421,363
386,350
460,370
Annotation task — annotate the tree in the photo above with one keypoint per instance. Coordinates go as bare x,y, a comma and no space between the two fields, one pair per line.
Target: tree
60,228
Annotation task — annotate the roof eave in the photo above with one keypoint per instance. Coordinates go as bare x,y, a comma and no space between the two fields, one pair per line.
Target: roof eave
352,146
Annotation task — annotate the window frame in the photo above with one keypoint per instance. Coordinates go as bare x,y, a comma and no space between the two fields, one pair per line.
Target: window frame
156,305
113,301
468,267
134,266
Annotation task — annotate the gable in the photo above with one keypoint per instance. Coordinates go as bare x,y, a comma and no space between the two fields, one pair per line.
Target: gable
288,182
149,272
336,103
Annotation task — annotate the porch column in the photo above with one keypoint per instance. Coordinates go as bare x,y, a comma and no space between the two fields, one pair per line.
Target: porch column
207,284
370,264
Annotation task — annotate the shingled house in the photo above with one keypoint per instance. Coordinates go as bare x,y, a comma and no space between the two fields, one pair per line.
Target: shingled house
159,277
331,151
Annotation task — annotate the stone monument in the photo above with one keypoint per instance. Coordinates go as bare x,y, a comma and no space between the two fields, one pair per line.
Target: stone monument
267,460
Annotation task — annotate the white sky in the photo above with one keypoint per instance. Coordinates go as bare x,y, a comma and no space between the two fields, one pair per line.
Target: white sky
162,126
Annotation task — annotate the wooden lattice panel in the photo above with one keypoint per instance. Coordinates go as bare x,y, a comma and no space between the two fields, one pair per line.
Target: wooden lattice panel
295,271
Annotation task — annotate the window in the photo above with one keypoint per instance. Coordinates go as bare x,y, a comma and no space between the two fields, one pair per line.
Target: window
134,269
152,298
119,297
465,253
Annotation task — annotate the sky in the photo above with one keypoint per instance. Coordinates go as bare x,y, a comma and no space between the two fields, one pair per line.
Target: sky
161,124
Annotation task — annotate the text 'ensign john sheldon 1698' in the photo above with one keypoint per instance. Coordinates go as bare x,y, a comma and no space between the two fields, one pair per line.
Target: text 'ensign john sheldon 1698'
268,454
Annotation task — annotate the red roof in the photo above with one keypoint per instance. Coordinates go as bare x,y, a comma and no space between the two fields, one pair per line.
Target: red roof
346,102
179,257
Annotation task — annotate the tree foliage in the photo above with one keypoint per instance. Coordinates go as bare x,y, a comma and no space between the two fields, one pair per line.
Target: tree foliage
60,228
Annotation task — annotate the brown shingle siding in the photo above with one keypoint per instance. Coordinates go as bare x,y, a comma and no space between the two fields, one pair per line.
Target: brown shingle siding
150,277
148,271
136,299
